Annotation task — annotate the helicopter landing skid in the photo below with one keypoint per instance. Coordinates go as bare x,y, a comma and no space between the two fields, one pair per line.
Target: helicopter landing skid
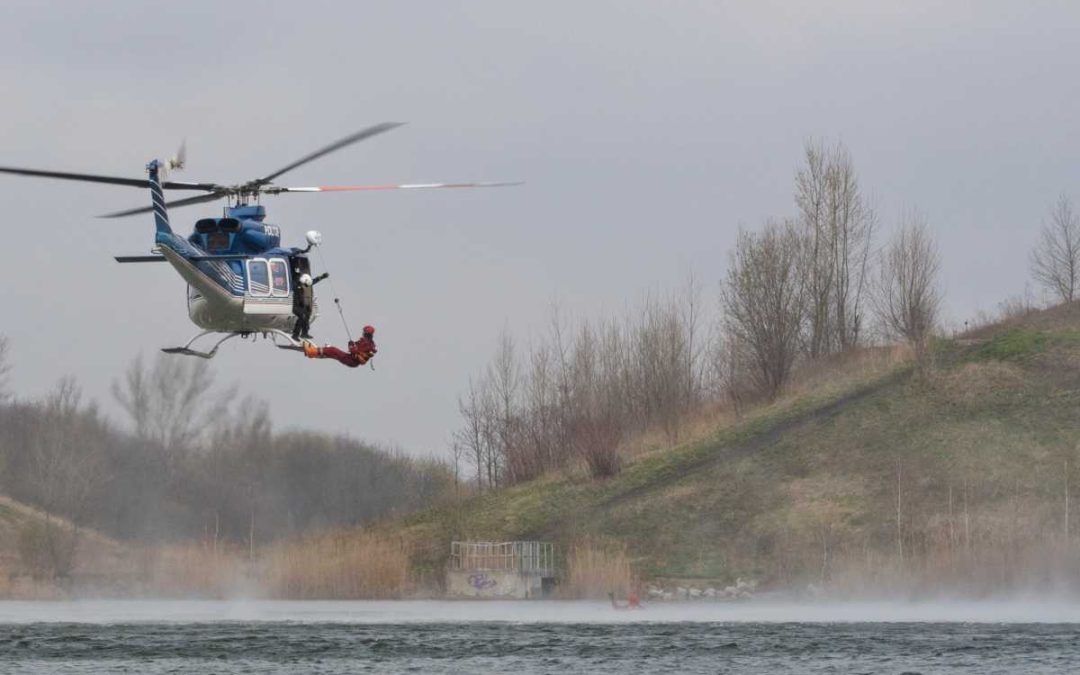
292,344
186,350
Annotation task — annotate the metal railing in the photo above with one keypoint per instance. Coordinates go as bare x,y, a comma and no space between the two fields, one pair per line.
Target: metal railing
531,557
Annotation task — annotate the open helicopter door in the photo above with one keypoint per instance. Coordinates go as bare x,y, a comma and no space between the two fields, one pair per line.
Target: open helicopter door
269,290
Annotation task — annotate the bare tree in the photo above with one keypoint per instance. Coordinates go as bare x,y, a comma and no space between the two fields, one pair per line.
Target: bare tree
811,195
477,436
5,369
543,421
470,436
852,232
837,224
696,345
598,380
65,468
908,297
505,378
457,451
729,365
596,441
1055,261
661,347
169,402
762,299
65,460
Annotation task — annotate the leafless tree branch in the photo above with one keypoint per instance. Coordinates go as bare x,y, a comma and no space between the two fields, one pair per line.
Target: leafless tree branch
1055,261
908,297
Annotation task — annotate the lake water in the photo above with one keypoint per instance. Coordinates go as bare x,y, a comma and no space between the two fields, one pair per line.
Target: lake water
538,637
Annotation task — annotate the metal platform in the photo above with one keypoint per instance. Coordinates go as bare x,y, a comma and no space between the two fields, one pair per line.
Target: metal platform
509,569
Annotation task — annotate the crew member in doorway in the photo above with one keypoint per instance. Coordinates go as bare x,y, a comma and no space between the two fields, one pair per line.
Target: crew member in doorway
360,351
303,296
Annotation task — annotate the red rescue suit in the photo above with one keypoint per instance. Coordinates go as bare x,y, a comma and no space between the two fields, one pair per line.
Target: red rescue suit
360,351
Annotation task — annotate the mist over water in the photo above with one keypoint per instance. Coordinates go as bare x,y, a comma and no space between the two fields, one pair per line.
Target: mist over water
526,612
535,637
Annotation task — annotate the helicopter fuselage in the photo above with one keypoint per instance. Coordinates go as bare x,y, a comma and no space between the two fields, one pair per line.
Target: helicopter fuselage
239,278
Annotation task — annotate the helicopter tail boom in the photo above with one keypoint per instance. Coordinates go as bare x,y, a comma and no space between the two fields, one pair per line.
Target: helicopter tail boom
210,290
161,216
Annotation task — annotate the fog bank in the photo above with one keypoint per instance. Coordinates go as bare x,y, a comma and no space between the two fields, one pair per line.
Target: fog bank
427,611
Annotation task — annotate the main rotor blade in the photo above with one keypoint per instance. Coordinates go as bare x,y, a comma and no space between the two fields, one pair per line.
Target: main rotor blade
199,199
111,180
337,145
182,185
404,186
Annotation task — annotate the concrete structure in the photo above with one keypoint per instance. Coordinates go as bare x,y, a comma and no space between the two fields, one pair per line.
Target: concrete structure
511,570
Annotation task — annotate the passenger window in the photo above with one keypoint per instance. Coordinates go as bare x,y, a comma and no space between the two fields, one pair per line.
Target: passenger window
258,278
279,274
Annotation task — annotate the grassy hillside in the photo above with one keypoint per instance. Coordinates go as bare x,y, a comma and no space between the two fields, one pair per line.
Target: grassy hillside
868,479
865,479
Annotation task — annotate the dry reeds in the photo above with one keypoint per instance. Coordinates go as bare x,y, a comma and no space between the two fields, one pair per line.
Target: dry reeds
594,570
6,584
15,587
193,569
694,427
349,564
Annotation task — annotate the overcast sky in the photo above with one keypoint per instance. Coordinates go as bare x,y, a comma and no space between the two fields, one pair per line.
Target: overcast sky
647,132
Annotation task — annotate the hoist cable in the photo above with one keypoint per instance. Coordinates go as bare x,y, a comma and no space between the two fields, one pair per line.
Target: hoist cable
333,290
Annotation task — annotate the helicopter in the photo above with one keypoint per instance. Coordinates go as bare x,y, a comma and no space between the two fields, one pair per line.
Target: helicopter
240,280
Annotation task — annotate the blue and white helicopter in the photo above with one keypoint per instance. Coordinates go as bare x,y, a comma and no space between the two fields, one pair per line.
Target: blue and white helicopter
240,280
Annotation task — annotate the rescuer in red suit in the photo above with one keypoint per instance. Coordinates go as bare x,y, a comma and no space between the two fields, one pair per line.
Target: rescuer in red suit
360,351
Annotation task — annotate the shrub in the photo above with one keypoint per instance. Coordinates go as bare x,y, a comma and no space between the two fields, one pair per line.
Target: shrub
596,441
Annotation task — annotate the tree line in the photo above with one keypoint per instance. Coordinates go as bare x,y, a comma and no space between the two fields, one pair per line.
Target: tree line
801,288
798,289
198,461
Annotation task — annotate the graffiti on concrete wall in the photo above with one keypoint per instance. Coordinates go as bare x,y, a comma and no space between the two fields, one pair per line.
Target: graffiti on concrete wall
481,582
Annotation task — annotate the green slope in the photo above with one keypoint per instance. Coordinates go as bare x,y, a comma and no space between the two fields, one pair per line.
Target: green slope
980,455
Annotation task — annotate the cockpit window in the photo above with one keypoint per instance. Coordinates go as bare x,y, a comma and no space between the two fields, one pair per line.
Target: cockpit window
279,275
258,277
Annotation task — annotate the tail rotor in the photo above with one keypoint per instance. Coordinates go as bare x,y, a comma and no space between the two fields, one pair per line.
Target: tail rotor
177,161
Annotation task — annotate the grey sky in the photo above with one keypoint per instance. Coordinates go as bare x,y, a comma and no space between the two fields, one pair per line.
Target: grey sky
647,132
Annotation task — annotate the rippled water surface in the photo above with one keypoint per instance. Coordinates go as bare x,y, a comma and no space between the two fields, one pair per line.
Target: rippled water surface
204,637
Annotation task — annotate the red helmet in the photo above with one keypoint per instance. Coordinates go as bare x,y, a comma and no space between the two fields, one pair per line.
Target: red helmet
369,330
